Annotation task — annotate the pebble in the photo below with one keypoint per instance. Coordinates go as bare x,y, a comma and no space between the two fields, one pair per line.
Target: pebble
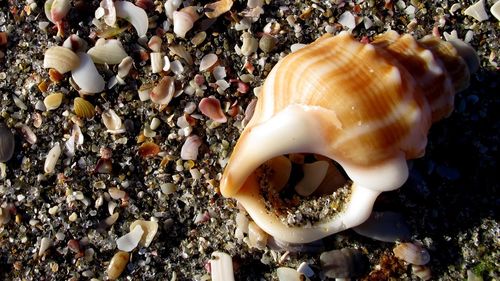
344,263
149,231
45,243
305,269
117,264
384,226
51,159
267,43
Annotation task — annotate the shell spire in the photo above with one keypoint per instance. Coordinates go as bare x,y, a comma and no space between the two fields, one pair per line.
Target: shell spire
368,107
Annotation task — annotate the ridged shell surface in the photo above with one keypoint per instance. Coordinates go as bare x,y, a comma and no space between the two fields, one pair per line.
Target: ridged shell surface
368,107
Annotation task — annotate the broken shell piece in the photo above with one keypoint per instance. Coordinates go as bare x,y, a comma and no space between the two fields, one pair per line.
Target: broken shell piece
257,238
214,10
184,20
75,43
109,12
477,11
164,91
288,274
107,51
86,75
314,173
53,101
221,267
181,52
423,272
155,43
125,66
144,91
28,134
299,106
129,241
61,59
189,150
59,9
51,158
149,227
250,44
157,63
149,149
495,10
112,121
117,264
211,107
171,6
83,108
133,14
45,243
208,61
412,253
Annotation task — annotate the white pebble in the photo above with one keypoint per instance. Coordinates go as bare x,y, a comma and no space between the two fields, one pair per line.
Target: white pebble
495,10
347,19
155,123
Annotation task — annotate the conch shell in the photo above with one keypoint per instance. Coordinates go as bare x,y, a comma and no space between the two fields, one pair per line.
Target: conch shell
368,107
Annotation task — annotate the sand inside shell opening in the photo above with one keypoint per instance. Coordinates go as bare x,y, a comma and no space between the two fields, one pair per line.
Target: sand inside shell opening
303,189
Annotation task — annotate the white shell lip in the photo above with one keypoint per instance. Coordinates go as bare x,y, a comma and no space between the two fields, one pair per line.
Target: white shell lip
133,14
294,127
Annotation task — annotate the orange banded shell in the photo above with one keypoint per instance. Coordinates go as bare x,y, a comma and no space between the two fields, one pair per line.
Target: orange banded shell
367,106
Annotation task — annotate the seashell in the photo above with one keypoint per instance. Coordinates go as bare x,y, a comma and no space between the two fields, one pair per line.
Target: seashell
157,62
155,43
184,20
368,107
109,12
112,121
211,107
208,61
28,134
61,59
107,51
129,241
288,274
344,263
421,271
51,159
250,44
125,66
164,91
149,227
477,11
412,253
149,149
75,43
189,150
45,244
221,267
256,237
215,9
3,38
86,75
181,52
117,265
53,101
7,143
83,108
55,11
171,6
495,10
133,14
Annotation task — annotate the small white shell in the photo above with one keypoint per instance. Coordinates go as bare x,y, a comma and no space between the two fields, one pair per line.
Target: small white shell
157,62
45,243
133,14
495,10
171,6
257,238
477,11
112,121
215,9
51,158
61,59
149,227
288,274
412,253
129,241
164,91
221,266
208,61
109,12
107,51
189,150
86,75
184,20
125,66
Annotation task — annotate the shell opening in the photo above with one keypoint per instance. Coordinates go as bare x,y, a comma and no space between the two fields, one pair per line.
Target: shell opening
303,189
